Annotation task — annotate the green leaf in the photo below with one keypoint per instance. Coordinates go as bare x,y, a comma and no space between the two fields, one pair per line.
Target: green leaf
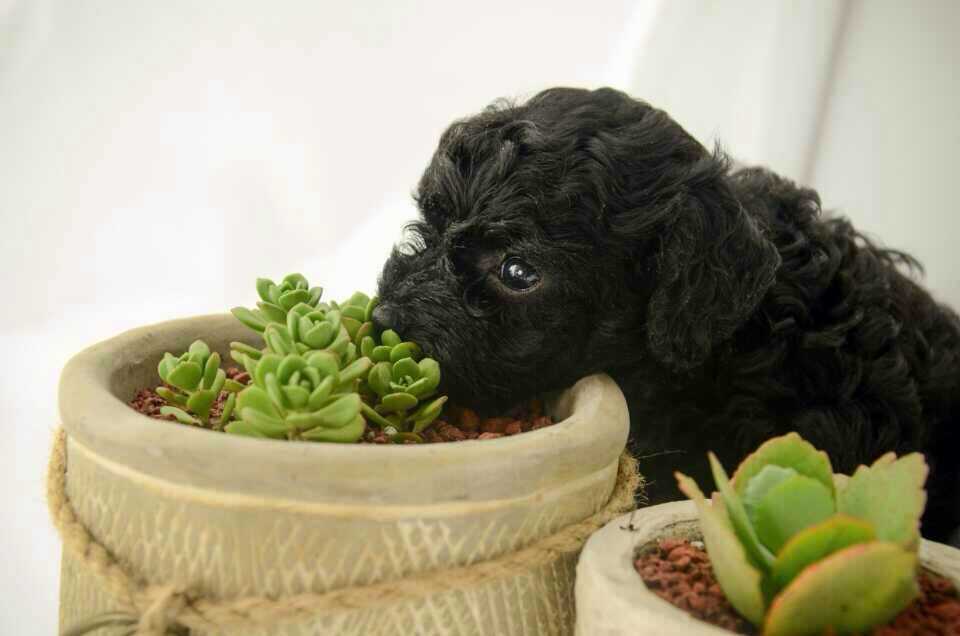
251,319
357,369
789,451
343,435
790,506
889,494
430,370
232,386
394,402
253,397
365,330
424,415
850,591
352,326
269,426
263,289
219,379
246,349
354,312
390,338
210,370
379,378
325,362
322,391
170,396
373,416
288,366
295,396
405,368
181,416
269,363
758,487
289,299
380,353
228,407
167,364
339,344
295,281
334,318
185,376
816,542
368,310
738,517
405,350
358,298
739,579
319,335
336,414
366,346
240,427
199,351
200,403
273,313
315,294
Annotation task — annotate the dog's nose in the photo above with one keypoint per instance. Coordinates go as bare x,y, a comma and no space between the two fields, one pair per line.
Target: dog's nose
384,317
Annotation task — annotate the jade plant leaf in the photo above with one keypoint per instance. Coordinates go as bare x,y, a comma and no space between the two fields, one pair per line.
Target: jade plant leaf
790,451
759,555
816,542
739,579
849,591
792,505
889,494
757,488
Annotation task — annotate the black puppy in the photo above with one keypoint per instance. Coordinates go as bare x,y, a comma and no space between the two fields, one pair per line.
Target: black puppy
586,231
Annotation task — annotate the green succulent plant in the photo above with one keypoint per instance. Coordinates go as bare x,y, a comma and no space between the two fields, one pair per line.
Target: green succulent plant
301,397
196,380
322,373
798,550
277,300
402,382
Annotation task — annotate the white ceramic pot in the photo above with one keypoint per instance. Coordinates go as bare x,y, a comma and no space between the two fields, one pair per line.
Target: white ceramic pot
612,599
229,516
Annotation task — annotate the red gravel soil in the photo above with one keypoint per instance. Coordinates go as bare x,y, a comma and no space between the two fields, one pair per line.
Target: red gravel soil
680,572
455,424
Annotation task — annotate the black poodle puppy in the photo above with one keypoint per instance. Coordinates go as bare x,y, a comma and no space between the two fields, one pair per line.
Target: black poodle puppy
586,231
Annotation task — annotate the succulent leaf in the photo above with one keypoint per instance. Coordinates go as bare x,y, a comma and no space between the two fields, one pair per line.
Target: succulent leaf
345,434
790,506
790,451
759,555
181,416
889,494
757,488
849,591
816,542
185,376
737,576
390,338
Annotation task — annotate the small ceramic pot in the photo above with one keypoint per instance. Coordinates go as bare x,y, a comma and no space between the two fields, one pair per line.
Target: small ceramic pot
612,599
228,516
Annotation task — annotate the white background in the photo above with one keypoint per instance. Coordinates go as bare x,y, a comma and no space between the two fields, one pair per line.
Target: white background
155,157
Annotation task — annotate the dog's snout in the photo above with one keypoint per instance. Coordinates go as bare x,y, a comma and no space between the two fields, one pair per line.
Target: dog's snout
384,317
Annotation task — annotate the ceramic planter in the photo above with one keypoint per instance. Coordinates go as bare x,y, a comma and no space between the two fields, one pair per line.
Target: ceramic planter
228,516
611,597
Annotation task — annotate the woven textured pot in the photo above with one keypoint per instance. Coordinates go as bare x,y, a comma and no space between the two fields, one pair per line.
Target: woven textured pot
612,599
227,517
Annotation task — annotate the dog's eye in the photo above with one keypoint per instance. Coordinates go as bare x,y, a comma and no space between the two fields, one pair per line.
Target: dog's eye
518,274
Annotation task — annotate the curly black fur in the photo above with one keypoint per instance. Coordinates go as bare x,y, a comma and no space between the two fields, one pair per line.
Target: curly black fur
726,307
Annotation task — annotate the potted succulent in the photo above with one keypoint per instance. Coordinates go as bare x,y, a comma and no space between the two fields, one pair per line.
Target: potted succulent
254,512
794,550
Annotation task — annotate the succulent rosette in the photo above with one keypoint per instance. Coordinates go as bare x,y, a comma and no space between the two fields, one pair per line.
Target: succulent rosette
322,373
276,301
403,383
301,397
798,550
194,381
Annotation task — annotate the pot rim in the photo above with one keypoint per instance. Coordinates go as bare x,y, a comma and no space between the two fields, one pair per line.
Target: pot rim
606,576
94,414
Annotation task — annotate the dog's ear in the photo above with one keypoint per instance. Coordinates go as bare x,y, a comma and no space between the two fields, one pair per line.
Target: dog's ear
713,266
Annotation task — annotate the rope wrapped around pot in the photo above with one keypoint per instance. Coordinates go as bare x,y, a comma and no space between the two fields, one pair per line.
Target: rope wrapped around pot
161,610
